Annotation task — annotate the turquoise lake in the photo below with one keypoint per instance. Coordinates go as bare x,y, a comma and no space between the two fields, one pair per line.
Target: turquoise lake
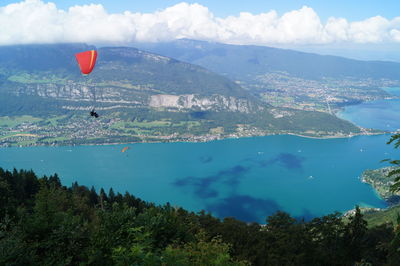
380,114
248,178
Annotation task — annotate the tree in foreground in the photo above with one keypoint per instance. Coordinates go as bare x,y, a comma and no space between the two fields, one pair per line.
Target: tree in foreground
396,171
394,251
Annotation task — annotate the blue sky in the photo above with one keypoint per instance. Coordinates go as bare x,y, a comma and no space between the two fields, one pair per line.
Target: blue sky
349,9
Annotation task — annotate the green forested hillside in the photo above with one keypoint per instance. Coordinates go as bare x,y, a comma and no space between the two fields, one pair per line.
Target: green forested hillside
288,78
140,96
45,223
128,71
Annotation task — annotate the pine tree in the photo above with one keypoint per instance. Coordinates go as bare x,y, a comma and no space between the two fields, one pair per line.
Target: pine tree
395,172
111,195
103,198
93,197
355,235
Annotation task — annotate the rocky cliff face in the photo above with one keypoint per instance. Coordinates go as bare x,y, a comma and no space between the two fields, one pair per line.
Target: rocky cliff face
76,92
193,101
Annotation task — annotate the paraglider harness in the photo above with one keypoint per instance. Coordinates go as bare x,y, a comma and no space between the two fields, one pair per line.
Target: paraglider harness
93,113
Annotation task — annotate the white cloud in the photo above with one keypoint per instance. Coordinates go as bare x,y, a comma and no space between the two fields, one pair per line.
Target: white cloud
36,21
372,30
336,29
395,34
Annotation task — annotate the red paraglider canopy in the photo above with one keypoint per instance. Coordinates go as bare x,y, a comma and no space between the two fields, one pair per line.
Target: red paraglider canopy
86,61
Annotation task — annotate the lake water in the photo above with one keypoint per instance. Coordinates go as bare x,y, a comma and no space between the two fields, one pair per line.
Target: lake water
248,178
380,114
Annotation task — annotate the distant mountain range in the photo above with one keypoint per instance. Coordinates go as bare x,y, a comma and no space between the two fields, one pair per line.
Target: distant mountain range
140,96
247,61
288,78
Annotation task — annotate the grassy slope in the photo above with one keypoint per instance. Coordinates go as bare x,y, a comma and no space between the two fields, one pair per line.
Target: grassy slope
377,218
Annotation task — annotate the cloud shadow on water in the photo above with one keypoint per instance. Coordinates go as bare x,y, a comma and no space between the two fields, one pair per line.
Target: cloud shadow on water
206,159
288,160
244,207
203,186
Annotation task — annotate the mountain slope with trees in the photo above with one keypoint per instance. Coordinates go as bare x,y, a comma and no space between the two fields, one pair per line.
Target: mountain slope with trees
140,96
288,78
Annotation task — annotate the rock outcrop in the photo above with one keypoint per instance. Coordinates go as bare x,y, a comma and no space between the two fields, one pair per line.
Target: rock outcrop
203,103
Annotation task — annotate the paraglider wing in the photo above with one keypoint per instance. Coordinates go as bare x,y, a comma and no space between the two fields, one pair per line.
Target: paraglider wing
86,61
124,149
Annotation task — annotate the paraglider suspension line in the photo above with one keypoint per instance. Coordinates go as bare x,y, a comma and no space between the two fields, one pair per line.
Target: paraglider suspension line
92,91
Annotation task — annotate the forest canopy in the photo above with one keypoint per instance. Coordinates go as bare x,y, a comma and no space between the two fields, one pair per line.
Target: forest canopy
43,222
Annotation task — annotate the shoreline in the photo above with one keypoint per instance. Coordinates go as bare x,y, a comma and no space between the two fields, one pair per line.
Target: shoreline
341,136
208,138
205,138
380,182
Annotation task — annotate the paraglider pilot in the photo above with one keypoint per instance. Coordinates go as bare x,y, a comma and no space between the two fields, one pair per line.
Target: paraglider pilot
86,61
93,113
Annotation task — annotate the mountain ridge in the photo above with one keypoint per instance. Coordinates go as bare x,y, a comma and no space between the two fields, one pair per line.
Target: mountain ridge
140,96
288,78
192,51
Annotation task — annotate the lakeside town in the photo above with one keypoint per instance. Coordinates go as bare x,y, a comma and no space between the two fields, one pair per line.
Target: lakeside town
81,131
327,95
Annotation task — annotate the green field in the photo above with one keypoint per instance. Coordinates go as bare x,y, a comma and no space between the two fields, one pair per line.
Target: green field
386,216
17,134
32,79
147,125
54,121
6,121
